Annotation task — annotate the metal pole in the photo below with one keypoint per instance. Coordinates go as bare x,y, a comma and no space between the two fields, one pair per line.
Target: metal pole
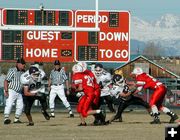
96,14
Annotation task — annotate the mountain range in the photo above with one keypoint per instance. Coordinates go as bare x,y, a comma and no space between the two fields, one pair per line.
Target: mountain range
164,33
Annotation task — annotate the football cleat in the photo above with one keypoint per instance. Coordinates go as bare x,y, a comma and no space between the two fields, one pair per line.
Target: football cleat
82,124
46,115
71,115
52,115
173,118
31,124
156,121
7,121
18,121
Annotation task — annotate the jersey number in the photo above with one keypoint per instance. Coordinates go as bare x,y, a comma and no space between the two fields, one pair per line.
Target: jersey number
35,86
89,81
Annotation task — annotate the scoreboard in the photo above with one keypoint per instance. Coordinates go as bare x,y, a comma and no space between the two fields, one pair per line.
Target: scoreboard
37,45
111,44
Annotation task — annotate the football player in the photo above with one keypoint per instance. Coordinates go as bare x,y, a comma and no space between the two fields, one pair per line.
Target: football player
104,80
144,80
95,105
124,97
82,82
33,89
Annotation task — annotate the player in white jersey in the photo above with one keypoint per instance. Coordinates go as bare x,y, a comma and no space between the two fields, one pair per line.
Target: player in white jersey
34,90
104,79
124,97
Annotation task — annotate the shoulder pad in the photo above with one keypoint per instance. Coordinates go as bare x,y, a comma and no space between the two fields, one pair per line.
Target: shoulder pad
25,77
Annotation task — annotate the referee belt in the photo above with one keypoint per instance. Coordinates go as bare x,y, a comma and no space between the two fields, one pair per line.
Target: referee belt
56,84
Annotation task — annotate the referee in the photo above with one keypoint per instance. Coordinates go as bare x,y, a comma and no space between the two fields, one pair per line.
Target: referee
56,87
13,91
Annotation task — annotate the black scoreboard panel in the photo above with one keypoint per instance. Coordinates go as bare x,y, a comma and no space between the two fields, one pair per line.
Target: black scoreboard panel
64,18
87,53
41,17
17,17
12,52
12,36
44,17
66,35
12,47
113,19
92,37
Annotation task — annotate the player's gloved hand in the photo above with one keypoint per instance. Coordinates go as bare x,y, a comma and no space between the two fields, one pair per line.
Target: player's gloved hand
79,94
100,84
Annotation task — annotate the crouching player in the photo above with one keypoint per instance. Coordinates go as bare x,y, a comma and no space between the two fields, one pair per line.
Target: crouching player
33,90
97,92
124,97
146,81
82,82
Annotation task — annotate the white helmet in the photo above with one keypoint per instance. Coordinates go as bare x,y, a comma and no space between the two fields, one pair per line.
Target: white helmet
83,65
137,71
98,69
77,68
34,72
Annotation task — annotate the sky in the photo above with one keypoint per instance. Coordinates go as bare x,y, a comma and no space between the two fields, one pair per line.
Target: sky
145,9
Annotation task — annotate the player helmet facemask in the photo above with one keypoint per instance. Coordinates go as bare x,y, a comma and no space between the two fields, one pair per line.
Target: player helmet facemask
98,69
34,72
118,80
77,68
137,71
83,65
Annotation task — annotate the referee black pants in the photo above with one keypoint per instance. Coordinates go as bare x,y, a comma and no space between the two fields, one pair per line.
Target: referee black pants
29,100
123,104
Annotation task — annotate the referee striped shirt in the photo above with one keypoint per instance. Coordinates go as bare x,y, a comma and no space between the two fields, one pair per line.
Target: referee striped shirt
13,78
58,76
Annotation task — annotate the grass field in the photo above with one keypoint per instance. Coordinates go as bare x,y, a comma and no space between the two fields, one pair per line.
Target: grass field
135,126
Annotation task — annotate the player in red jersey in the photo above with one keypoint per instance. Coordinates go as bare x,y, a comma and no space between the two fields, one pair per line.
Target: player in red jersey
144,80
82,82
97,92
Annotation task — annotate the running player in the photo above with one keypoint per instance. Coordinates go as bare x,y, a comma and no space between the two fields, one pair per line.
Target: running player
34,90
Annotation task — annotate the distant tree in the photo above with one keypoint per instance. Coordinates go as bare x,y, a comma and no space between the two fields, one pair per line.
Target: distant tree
153,50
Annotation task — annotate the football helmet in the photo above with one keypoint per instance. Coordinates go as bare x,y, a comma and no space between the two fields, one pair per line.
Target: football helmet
137,71
77,68
98,69
34,72
83,65
118,80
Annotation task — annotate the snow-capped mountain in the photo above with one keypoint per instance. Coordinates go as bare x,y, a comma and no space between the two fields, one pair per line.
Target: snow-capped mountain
165,32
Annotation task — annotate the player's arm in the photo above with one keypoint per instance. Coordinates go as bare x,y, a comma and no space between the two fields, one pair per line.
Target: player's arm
126,92
67,87
6,94
49,84
123,94
29,93
9,77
